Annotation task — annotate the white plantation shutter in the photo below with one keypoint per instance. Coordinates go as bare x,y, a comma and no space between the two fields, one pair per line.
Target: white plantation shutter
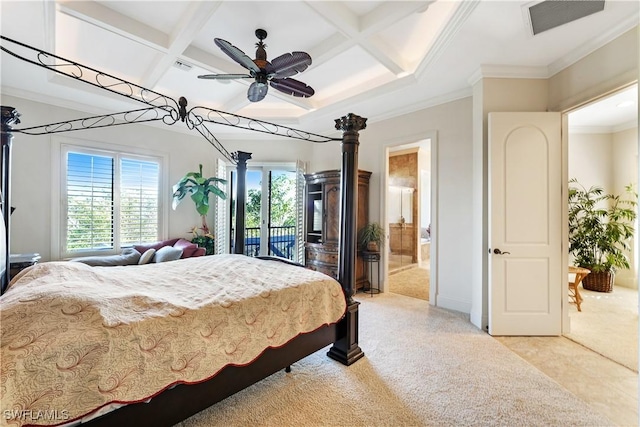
139,201
111,200
221,235
300,189
89,202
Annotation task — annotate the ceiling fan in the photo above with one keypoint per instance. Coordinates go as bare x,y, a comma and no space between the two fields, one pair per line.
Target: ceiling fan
276,73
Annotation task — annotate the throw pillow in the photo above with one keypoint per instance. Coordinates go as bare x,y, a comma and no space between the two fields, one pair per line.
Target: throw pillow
188,248
129,256
167,253
147,256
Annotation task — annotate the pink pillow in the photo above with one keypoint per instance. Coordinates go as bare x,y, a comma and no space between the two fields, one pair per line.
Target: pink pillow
188,248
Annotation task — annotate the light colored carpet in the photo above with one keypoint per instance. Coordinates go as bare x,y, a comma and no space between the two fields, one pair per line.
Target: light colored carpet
608,324
413,282
423,366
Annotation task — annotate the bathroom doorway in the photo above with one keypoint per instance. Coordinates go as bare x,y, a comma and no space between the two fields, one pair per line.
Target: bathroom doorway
408,218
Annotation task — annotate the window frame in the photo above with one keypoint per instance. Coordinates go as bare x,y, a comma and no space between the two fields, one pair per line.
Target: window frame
62,146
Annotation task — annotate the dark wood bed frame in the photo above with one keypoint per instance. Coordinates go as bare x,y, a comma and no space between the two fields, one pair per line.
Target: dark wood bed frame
183,401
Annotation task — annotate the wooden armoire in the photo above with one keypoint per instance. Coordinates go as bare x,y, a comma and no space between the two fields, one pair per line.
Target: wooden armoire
322,227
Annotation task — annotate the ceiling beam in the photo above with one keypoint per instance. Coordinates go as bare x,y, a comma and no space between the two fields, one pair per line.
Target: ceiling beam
187,29
110,20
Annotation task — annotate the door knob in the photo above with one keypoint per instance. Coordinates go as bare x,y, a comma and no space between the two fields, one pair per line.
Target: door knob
499,252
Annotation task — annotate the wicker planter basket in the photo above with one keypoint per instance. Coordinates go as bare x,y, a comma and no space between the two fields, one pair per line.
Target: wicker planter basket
599,282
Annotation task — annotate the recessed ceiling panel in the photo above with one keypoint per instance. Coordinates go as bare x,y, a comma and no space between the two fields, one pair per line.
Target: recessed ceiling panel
101,49
291,26
13,17
163,16
336,78
207,93
272,106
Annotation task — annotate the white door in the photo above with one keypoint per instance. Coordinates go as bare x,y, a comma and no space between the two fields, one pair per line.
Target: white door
525,213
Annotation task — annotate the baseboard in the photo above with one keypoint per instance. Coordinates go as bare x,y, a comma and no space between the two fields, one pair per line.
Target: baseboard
454,304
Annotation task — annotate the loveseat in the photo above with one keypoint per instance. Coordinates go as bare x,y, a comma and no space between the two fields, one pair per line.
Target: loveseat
162,251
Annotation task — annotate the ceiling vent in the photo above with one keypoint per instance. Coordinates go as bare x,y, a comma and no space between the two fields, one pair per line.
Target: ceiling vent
182,65
554,13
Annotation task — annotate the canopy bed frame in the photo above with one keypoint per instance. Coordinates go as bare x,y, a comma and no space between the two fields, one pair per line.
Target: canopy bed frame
182,401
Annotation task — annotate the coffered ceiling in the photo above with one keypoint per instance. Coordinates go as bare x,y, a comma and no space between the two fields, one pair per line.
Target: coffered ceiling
378,59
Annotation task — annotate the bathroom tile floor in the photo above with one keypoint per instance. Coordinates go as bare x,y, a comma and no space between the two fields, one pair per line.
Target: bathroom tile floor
611,389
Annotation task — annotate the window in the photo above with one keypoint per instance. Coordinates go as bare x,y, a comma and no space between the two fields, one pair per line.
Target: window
111,200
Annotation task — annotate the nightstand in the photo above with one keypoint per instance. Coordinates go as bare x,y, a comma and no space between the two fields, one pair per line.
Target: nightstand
21,261
368,259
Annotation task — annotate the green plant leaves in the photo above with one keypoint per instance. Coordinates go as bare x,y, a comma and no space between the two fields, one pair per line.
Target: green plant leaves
200,189
600,226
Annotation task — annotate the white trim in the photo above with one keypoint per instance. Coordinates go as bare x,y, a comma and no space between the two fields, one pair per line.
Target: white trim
462,306
221,210
508,72
603,129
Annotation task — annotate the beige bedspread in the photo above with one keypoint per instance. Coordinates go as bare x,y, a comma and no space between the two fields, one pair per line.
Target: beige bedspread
76,338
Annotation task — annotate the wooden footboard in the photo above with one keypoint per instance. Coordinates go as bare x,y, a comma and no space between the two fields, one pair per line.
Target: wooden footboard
183,401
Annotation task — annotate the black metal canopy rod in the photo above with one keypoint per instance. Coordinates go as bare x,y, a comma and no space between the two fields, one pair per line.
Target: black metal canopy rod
167,115
205,114
86,74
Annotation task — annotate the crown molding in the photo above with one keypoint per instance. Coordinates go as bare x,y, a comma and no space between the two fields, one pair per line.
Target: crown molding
595,44
422,105
508,72
603,129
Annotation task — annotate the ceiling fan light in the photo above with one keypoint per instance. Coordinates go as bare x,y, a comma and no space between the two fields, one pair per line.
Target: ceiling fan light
257,92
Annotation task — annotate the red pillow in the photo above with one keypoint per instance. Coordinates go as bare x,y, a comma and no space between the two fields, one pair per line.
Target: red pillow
188,248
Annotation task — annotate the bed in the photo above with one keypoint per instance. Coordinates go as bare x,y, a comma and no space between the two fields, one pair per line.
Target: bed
175,398
81,338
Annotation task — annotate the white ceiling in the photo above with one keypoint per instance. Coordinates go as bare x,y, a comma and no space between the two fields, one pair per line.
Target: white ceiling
377,59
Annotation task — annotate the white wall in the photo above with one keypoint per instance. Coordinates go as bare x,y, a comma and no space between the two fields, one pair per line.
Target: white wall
32,228
424,166
590,159
625,159
451,123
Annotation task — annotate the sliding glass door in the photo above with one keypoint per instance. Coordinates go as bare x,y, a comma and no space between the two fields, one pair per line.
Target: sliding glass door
273,217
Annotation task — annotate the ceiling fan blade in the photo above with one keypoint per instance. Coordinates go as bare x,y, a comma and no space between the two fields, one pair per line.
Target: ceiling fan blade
290,64
292,87
257,91
225,76
237,55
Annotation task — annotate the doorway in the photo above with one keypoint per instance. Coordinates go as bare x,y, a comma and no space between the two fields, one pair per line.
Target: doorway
603,151
272,211
408,218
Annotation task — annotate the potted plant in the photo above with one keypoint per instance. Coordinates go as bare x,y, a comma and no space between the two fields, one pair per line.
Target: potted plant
371,237
600,230
200,188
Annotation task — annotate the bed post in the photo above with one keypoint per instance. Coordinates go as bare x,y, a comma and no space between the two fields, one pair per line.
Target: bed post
9,117
241,200
346,350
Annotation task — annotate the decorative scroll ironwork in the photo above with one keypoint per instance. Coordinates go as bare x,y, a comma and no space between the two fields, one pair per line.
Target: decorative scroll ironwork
88,75
195,122
256,125
168,115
